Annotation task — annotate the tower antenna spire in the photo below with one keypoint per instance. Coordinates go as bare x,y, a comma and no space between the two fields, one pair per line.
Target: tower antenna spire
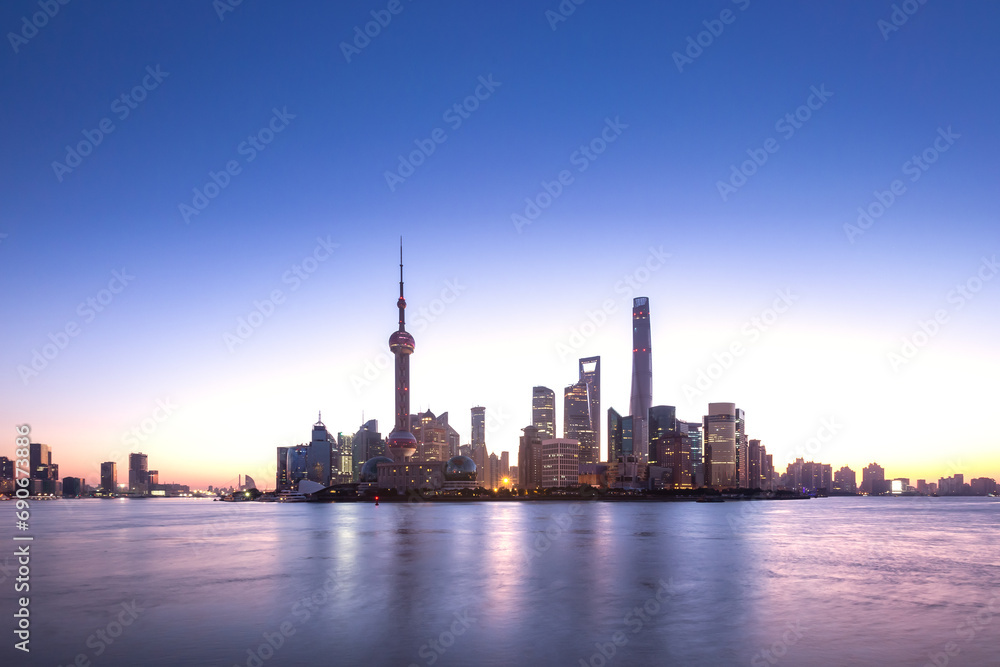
401,442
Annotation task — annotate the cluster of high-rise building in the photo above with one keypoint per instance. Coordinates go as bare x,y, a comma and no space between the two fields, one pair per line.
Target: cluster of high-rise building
141,480
43,473
647,448
44,476
325,459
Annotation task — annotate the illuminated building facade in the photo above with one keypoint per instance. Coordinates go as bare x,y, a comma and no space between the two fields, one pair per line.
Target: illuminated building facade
543,411
577,422
720,446
560,462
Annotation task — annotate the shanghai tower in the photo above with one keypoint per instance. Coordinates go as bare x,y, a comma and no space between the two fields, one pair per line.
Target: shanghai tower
642,375
401,442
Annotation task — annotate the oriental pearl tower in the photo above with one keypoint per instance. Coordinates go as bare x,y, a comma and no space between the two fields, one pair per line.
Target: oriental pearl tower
401,442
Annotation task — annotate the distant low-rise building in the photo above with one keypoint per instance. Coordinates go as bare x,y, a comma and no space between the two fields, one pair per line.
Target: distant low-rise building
845,480
982,486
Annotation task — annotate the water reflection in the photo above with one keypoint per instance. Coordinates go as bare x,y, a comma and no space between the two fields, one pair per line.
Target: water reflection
845,581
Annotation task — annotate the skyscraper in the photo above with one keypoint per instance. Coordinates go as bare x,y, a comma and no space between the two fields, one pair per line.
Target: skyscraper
297,464
109,477
454,440
720,442
138,473
543,411
662,422
432,437
366,444
845,480
401,442
478,426
754,465
742,450
577,421
695,441
590,372
6,475
614,434
281,473
529,459
873,480
642,375
40,461
321,454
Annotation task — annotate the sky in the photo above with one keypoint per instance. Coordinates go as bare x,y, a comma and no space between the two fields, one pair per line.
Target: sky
201,205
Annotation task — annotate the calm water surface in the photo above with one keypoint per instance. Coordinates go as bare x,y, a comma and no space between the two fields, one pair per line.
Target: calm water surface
839,581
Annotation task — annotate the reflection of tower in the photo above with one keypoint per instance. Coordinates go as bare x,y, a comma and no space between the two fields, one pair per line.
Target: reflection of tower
401,442
642,374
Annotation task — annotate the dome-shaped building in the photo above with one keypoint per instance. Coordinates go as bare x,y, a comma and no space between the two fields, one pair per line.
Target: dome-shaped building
369,471
460,473
460,469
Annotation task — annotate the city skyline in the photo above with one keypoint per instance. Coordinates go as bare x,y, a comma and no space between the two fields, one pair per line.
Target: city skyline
726,465
818,249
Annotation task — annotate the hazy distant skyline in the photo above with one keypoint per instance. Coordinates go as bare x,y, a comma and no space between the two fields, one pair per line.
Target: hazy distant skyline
300,140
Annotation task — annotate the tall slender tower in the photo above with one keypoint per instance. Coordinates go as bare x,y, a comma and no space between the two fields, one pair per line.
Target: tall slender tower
590,372
401,442
642,375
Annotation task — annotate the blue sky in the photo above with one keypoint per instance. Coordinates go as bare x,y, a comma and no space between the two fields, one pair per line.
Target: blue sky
321,181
